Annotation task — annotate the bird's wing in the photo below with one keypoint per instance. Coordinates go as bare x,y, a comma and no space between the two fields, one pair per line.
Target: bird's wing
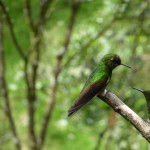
87,80
86,95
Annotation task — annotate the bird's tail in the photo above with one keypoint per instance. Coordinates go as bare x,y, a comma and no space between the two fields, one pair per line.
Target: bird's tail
73,109
84,97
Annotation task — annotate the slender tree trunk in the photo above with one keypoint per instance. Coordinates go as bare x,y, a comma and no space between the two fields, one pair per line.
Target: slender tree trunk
4,90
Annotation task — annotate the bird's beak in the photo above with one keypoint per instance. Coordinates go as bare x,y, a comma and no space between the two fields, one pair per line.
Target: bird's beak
125,65
137,89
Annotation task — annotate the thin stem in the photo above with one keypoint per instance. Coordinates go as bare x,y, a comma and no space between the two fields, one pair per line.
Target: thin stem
5,94
29,16
11,28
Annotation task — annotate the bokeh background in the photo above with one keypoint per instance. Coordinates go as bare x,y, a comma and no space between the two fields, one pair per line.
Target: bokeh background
63,42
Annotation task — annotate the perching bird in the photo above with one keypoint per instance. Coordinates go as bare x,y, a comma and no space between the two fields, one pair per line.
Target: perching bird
147,97
97,81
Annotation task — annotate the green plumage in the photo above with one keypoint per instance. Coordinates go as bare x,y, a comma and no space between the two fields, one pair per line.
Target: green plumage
101,73
97,76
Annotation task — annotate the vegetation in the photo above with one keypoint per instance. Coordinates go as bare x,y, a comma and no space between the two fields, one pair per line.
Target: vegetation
47,50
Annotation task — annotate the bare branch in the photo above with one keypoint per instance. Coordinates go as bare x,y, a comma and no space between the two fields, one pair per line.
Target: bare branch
56,71
100,137
29,17
32,64
118,106
45,4
4,90
11,28
31,97
35,46
30,78
31,75
34,54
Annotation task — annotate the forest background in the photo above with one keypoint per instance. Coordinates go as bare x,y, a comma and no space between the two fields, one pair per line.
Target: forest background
47,50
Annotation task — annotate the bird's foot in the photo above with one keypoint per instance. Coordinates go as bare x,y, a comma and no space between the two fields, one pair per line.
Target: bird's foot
105,92
102,94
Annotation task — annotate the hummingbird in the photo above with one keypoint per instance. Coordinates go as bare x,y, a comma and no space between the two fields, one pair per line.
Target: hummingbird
147,97
96,82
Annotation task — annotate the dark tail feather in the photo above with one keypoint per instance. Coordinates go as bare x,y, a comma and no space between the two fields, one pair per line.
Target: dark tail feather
73,109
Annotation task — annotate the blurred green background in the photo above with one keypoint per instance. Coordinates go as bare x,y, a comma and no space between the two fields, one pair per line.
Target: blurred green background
124,28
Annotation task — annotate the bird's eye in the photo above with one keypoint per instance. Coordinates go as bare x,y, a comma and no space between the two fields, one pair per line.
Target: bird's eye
112,60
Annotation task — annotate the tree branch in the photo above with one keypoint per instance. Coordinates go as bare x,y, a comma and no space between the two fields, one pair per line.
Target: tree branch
43,10
100,137
28,14
29,83
118,106
30,69
31,66
33,63
11,28
4,90
56,71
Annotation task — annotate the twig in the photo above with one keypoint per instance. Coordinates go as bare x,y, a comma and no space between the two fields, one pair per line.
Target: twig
28,14
5,93
109,138
100,137
35,50
56,71
31,77
118,106
45,4
11,28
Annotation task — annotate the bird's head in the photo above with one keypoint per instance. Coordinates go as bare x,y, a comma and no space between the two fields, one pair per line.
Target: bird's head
112,61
